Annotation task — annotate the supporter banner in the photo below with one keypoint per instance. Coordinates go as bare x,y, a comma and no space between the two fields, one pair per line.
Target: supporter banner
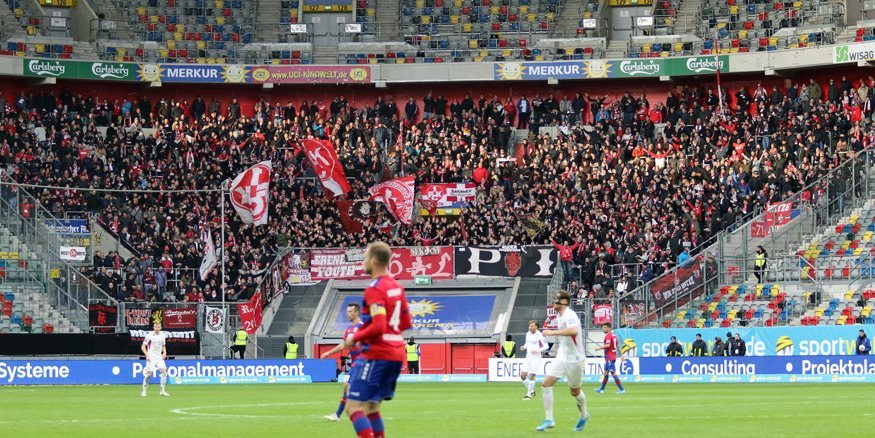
759,229
176,318
182,340
75,253
307,74
437,313
322,156
685,279
209,261
211,73
602,313
119,372
777,214
52,68
397,195
854,53
214,320
102,318
633,311
433,261
355,213
446,195
506,261
295,269
250,193
508,370
68,226
551,323
760,341
509,71
532,224
251,313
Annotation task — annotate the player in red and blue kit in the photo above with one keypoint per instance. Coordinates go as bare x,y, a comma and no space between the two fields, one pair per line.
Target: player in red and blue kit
386,316
352,314
611,347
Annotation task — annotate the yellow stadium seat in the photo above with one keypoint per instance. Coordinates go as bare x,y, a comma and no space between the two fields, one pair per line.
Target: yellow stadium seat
171,44
478,59
645,47
141,10
18,13
211,61
712,307
506,53
420,3
457,3
484,53
569,51
293,13
121,51
31,30
866,311
819,312
849,294
721,25
797,5
201,45
13,255
550,16
539,58
664,54
373,60
858,251
119,58
201,60
371,12
472,44
164,53
733,50
700,323
678,47
454,19
494,10
40,48
181,27
221,20
773,41
853,219
531,17
587,15
272,61
524,9
399,60
220,61
668,21
794,46
153,18
220,4
426,19
733,10
742,33
724,51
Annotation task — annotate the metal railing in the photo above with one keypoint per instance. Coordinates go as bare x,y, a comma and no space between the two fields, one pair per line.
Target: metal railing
820,203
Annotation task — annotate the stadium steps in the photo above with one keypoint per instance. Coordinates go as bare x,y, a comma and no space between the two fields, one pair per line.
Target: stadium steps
39,307
11,26
530,304
387,12
267,20
109,10
569,19
325,54
296,311
687,17
616,49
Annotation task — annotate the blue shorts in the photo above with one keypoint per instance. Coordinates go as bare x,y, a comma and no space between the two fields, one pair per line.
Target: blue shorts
373,380
610,366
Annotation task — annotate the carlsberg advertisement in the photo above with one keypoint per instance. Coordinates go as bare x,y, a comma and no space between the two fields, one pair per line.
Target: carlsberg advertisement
57,68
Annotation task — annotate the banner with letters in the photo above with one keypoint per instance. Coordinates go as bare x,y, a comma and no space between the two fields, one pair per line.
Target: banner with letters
760,341
508,370
130,372
407,262
102,318
449,313
506,261
57,68
295,269
448,195
310,74
179,323
68,226
629,68
687,278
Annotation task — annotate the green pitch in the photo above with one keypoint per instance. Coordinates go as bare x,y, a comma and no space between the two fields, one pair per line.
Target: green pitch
440,410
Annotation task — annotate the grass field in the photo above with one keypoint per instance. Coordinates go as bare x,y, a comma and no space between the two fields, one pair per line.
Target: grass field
441,410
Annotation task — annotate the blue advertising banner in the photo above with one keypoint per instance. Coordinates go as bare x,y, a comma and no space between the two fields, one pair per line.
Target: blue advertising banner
118,372
760,341
451,312
68,226
510,71
749,366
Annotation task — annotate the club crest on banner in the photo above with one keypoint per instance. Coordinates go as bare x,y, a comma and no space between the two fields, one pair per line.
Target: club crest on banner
249,193
214,320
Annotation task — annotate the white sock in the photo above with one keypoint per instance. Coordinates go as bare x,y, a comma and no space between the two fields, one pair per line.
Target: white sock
531,386
526,384
548,401
581,404
163,381
145,382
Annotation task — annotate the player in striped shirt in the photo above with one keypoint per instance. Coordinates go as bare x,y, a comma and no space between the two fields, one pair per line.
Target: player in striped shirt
352,314
386,316
611,347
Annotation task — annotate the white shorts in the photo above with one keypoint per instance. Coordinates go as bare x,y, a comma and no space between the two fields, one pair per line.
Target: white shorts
152,366
572,370
531,365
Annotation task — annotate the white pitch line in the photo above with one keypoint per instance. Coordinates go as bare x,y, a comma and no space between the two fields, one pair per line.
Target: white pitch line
184,411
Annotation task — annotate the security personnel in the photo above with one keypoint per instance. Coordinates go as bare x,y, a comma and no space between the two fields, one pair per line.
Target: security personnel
508,349
760,264
239,342
291,350
413,355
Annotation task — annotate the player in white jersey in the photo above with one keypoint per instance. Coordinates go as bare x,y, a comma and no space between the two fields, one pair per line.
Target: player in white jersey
568,362
535,345
155,349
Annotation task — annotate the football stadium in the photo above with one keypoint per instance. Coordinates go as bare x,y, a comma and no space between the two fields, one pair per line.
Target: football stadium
437,217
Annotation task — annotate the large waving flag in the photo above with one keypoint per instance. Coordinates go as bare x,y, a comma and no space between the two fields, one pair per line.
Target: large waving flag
354,214
249,193
209,261
323,158
397,195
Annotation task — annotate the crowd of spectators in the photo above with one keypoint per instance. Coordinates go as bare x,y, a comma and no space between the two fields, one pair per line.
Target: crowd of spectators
639,184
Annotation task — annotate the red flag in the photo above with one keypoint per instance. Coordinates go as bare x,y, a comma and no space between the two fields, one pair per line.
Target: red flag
397,195
250,313
351,225
323,158
428,205
249,192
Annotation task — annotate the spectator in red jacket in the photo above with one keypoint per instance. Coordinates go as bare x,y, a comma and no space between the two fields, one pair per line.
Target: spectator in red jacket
566,255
